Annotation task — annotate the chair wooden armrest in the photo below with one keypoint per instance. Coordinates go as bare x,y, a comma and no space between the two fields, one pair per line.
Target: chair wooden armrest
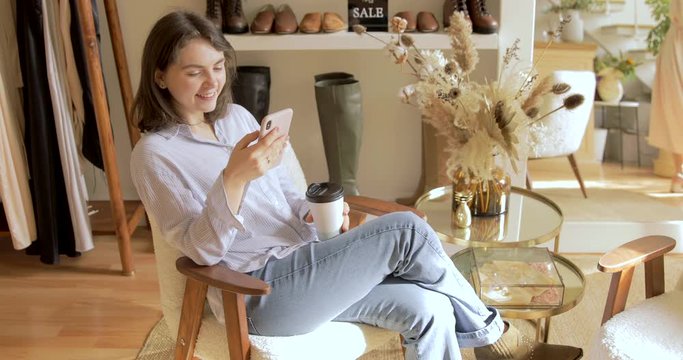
378,207
622,261
223,278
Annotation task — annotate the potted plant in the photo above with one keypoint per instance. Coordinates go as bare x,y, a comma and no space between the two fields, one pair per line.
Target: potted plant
573,31
611,70
660,13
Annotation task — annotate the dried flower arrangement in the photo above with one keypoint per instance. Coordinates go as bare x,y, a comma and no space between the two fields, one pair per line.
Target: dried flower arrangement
481,122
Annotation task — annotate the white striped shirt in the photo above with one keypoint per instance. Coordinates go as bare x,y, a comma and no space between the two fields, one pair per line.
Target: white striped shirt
179,179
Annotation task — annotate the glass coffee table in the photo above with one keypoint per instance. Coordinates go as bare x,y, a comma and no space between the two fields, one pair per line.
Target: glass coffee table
532,219
572,279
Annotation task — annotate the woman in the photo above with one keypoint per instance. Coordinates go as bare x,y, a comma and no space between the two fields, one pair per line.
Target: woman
222,200
666,119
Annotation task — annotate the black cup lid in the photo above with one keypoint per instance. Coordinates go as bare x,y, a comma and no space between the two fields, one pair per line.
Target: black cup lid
324,192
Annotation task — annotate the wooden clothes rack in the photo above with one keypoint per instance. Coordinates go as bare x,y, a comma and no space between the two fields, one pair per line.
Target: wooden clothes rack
124,226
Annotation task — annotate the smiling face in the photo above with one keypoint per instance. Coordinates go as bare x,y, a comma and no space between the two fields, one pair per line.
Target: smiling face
194,79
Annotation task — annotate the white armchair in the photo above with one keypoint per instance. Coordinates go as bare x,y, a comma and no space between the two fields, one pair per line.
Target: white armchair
183,286
561,133
650,329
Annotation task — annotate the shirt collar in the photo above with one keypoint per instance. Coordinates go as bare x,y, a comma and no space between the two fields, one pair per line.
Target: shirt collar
173,130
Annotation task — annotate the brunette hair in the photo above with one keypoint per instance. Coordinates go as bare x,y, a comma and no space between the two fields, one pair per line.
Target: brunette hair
153,106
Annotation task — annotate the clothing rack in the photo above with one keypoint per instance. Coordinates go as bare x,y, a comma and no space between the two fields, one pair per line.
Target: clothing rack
124,226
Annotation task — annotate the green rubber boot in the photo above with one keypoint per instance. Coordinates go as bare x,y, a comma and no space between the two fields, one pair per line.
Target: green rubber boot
341,122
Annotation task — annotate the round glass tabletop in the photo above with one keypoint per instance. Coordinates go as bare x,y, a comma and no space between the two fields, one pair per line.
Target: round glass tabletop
530,220
572,279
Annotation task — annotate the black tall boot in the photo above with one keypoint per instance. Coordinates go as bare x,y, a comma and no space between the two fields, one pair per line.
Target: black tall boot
338,98
251,89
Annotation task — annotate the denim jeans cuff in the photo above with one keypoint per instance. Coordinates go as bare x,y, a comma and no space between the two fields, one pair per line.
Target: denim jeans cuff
485,336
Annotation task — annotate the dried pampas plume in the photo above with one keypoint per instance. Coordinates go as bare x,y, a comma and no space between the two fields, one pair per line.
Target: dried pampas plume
464,51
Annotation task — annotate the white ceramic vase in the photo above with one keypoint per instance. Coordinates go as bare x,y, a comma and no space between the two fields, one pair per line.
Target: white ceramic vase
610,88
573,31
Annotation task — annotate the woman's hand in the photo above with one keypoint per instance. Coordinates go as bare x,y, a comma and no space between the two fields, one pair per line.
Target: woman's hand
345,213
346,222
250,162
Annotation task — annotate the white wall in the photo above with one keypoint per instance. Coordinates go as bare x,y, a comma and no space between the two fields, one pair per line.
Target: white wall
390,160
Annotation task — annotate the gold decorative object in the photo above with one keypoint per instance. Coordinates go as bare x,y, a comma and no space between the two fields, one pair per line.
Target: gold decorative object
461,216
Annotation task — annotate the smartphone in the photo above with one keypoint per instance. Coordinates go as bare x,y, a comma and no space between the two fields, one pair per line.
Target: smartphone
279,119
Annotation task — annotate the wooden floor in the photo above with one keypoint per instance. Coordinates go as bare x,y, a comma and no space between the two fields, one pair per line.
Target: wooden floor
80,309
83,308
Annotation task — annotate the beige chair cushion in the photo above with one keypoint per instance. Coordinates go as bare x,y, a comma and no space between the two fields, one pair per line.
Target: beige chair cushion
334,340
648,330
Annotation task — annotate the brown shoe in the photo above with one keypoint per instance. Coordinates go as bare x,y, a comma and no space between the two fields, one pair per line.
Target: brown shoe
311,23
333,22
213,11
451,6
285,20
514,345
426,22
263,22
233,18
410,18
482,21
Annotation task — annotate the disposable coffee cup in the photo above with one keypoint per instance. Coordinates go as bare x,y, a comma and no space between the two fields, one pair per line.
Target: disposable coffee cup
326,201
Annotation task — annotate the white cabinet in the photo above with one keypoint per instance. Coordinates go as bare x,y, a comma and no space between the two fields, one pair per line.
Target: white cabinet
391,154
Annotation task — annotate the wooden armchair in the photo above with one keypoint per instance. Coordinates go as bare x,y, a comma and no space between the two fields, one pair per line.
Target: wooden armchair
184,286
650,329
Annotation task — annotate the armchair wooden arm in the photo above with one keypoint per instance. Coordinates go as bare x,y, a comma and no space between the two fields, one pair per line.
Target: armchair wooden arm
378,207
235,286
622,261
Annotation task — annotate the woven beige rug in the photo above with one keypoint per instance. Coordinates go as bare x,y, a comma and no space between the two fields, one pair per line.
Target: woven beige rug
615,205
575,327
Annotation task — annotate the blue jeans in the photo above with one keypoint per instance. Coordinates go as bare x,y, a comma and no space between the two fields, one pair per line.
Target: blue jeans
392,273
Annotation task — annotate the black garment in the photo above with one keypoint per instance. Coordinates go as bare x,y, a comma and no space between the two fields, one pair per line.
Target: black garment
91,140
50,203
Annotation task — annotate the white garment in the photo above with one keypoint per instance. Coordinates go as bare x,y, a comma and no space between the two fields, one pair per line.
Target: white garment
14,189
666,116
63,111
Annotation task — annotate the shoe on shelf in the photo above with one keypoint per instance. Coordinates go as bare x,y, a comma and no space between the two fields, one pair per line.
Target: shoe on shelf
232,17
513,345
333,22
410,18
263,22
482,21
451,6
311,23
426,22
285,20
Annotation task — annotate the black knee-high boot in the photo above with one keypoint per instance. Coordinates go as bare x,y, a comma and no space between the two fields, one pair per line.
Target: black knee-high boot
251,89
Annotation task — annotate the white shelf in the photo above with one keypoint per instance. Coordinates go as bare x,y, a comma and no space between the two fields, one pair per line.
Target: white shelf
346,41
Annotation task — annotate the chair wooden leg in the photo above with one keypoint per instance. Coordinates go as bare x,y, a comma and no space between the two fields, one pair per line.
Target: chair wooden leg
618,293
190,318
654,277
236,325
572,162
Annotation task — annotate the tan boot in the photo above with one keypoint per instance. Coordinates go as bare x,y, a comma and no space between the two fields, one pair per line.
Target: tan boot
514,345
